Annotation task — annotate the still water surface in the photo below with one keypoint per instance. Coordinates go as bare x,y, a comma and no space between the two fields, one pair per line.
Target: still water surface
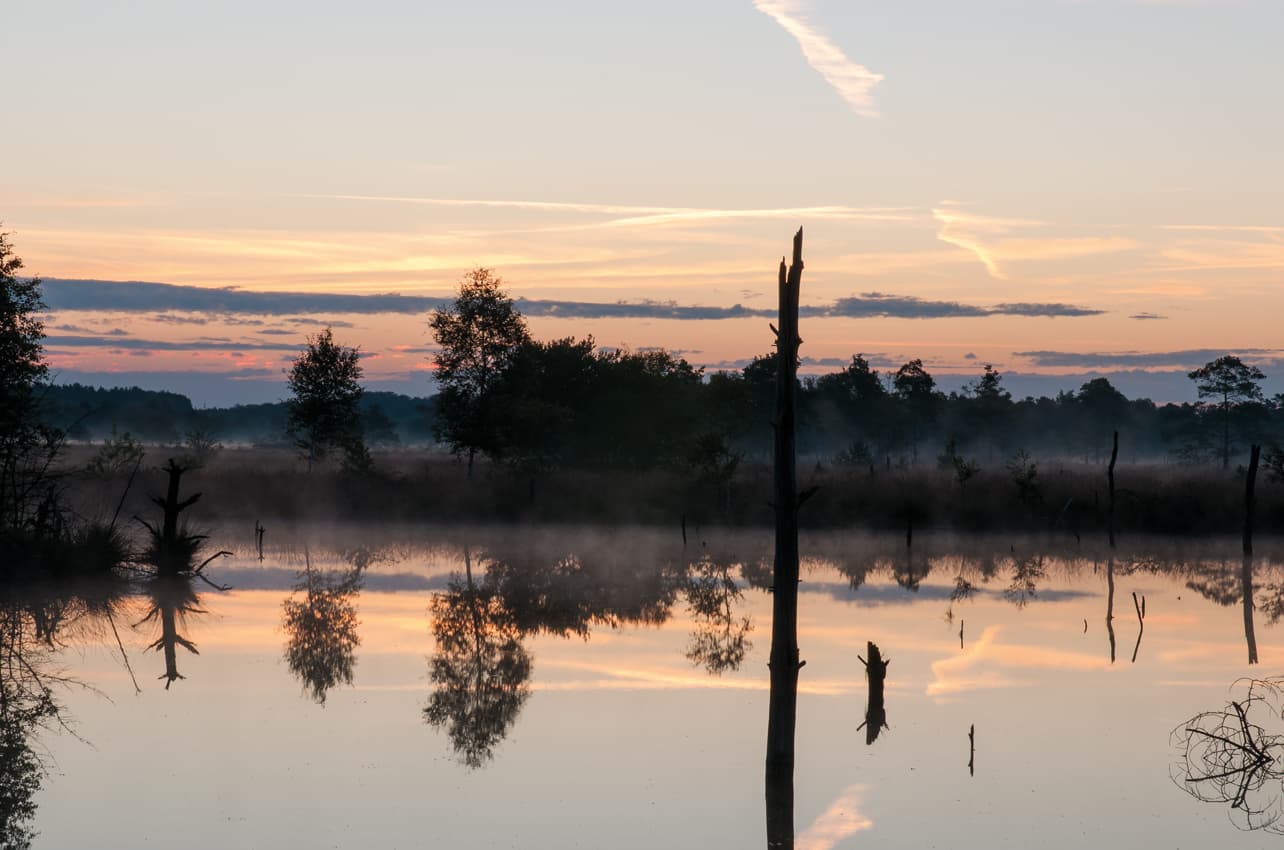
551,688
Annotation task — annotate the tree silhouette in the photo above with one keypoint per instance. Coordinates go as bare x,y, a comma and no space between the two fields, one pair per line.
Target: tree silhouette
324,414
480,670
478,338
1232,382
27,448
321,628
917,391
173,599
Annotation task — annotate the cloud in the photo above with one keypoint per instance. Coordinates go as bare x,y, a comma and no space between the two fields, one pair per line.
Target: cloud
134,296
882,305
838,822
1140,359
969,356
1027,309
1144,316
852,81
628,215
202,344
78,329
876,360
989,239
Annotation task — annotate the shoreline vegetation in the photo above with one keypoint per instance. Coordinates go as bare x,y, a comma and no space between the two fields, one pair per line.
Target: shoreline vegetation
1068,500
565,431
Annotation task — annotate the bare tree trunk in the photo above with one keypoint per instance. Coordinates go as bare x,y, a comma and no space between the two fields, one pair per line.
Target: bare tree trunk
1246,572
1246,583
1110,604
1110,476
1250,497
784,661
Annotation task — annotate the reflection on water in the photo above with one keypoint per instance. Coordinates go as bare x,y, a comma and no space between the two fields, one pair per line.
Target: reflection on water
1231,756
559,632
480,672
320,623
173,602
720,638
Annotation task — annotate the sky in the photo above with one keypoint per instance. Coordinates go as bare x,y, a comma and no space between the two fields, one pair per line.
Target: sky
1059,188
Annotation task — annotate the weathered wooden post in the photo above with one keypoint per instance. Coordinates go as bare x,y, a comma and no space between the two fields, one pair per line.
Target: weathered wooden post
784,659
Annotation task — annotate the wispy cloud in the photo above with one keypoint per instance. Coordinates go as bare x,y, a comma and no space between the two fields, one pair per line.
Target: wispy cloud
151,298
841,820
1142,359
134,343
852,81
990,240
626,215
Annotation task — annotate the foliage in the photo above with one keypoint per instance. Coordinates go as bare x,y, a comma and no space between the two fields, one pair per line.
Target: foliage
480,670
1025,475
324,414
857,454
120,452
200,446
1273,462
28,448
719,640
964,470
478,338
1234,384
321,629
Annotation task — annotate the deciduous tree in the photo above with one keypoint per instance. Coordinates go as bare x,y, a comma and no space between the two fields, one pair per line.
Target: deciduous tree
479,335
324,413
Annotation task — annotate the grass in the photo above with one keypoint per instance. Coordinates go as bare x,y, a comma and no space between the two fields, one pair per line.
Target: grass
244,485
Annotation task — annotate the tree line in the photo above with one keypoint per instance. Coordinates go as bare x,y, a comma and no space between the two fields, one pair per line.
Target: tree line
566,402
535,405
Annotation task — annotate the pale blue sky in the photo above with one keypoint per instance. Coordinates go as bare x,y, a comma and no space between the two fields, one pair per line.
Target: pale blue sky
1032,151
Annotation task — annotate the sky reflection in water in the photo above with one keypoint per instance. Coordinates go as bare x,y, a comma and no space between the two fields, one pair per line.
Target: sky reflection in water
554,688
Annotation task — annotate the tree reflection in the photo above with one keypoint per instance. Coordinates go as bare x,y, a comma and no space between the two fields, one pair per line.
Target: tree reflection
27,705
720,638
1227,756
1026,573
480,670
320,622
173,599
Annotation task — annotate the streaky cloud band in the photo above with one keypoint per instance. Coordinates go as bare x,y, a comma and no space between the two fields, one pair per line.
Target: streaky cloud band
144,297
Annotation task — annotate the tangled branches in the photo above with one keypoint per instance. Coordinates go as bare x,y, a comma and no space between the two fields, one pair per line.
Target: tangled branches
1227,756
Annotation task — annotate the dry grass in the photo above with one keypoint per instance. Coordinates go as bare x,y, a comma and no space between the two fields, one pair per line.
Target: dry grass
418,486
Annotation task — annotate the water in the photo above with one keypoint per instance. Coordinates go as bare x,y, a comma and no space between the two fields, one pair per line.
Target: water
607,688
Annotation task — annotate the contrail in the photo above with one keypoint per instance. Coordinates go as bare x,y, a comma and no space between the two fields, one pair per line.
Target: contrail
852,81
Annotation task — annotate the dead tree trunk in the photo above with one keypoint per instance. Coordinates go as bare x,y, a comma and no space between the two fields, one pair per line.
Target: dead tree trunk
1110,476
1250,497
876,707
784,661
170,557
1246,586
1246,571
